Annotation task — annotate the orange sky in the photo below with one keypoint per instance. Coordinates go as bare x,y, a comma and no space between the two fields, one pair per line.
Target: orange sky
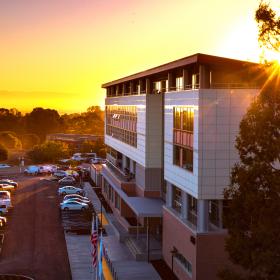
57,53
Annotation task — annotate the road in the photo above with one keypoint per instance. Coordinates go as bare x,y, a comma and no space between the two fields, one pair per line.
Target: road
34,242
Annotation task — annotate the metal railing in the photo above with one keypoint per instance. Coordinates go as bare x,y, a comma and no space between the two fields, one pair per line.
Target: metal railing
119,173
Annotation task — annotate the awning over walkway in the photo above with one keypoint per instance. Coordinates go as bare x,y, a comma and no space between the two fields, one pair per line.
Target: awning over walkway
145,207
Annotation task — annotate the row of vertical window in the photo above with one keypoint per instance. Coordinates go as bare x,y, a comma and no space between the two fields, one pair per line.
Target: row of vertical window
123,135
112,195
183,261
121,123
213,209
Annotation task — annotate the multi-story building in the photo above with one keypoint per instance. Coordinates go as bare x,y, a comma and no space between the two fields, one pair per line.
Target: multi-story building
170,133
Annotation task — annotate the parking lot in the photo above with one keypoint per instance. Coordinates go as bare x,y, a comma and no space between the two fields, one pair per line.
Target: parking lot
34,242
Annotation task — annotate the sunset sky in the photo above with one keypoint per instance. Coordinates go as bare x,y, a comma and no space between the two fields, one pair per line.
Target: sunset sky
57,53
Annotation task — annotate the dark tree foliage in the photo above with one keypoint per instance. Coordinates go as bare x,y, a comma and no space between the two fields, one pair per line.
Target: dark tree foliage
3,152
269,26
37,124
29,140
89,122
42,122
10,140
97,147
253,219
48,152
11,119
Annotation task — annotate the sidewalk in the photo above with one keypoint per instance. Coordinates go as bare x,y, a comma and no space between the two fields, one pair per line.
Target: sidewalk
119,261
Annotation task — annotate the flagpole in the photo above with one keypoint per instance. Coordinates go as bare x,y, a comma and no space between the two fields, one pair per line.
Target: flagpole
96,268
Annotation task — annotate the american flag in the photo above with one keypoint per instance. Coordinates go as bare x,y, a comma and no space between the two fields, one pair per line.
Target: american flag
94,239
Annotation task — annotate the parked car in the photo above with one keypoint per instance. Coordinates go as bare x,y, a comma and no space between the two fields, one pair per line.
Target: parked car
85,200
69,190
32,170
47,169
60,174
68,196
78,157
73,205
9,182
7,187
73,173
68,180
98,160
4,220
4,165
3,209
80,200
5,198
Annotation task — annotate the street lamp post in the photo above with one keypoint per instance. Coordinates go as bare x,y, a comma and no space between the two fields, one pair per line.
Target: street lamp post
173,252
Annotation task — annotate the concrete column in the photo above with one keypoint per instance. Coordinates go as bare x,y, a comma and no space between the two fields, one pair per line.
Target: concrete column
123,162
184,205
202,215
220,205
131,87
204,77
171,81
131,166
148,86
168,194
140,86
186,81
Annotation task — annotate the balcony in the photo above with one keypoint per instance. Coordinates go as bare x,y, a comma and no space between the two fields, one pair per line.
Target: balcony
120,179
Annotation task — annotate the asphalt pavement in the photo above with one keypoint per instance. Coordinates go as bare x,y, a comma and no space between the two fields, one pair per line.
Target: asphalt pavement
34,242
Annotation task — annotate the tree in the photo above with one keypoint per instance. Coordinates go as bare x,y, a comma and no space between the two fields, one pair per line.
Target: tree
10,140
97,147
269,27
42,122
252,217
48,152
29,140
3,152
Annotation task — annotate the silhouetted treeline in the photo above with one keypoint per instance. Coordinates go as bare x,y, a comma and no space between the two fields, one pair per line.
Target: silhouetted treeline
18,130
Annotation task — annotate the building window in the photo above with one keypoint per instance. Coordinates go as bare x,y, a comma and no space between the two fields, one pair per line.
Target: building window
176,199
179,83
183,137
121,123
183,262
214,214
192,210
195,81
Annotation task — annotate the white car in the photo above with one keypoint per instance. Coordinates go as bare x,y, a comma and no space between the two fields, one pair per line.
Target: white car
47,169
69,190
73,205
68,180
5,198
68,196
4,165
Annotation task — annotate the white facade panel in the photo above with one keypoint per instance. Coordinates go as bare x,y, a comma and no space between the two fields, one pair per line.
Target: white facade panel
220,112
217,116
186,180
